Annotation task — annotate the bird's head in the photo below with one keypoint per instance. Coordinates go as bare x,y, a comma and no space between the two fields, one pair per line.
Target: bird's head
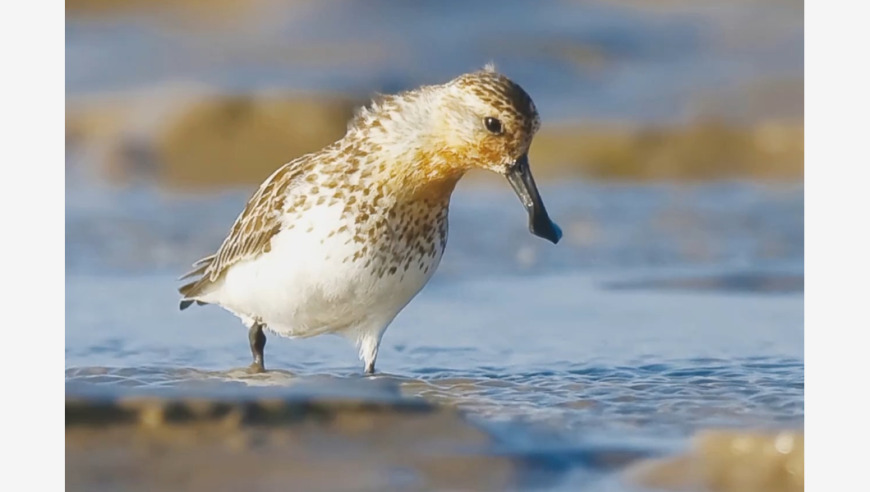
434,134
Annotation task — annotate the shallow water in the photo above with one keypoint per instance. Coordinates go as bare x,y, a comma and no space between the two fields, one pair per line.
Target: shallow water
664,311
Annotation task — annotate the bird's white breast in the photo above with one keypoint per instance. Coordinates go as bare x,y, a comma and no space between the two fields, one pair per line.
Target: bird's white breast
316,279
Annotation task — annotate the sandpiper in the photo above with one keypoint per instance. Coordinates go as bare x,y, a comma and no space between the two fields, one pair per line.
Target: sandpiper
340,240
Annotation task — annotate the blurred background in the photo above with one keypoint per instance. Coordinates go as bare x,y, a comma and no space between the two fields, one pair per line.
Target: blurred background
209,93
671,153
207,96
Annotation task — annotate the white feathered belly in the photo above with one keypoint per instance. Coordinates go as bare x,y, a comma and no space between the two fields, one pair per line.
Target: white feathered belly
310,282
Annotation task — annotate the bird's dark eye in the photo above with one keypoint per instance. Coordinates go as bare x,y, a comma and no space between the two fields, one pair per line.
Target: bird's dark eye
493,125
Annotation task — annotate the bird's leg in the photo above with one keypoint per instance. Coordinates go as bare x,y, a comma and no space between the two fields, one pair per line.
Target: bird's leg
369,350
369,357
258,342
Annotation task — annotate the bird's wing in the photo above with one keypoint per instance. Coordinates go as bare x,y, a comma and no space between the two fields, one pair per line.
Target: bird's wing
252,231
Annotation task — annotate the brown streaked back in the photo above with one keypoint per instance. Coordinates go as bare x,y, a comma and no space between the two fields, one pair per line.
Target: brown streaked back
252,232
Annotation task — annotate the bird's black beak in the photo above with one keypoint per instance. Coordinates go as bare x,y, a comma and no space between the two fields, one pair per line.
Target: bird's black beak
520,178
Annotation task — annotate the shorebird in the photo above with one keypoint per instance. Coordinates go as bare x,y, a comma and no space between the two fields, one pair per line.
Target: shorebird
340,240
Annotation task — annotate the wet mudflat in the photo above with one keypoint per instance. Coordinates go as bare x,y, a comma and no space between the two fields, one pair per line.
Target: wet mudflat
667,312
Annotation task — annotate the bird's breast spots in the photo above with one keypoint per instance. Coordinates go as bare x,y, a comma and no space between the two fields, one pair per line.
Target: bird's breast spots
438,190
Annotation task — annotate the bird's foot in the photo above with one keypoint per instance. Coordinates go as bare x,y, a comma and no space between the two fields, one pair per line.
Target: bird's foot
256,367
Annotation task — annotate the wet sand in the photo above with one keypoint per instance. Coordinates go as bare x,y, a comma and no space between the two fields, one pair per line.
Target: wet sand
355,433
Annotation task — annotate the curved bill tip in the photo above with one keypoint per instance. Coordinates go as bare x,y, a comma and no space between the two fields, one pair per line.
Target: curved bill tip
546,229
521,180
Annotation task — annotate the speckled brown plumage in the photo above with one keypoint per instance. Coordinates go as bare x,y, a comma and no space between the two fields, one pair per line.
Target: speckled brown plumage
341,239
